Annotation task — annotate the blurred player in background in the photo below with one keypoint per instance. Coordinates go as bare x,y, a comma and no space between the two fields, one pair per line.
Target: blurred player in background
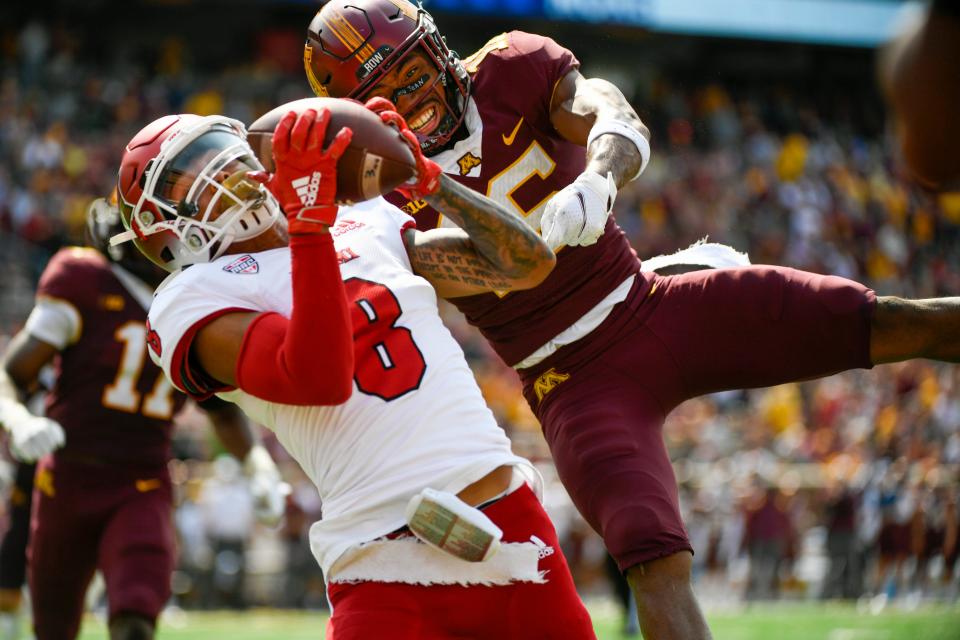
920,72
103,499
352,366
604,350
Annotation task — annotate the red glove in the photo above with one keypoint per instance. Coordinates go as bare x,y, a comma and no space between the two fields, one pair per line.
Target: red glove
305,180
427,178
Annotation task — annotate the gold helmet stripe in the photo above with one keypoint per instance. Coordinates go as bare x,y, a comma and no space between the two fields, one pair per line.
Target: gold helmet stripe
318,89
350,37
366,50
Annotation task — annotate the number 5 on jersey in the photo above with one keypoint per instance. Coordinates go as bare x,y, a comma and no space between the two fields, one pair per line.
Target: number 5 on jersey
388,362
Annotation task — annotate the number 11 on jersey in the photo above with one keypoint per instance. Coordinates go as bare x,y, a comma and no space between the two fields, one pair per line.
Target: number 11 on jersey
122,394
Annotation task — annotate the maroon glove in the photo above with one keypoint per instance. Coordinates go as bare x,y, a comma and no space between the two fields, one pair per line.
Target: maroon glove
305,179
427,178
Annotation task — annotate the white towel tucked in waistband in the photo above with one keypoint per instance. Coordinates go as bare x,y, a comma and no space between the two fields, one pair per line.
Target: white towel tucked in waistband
410,561
700,253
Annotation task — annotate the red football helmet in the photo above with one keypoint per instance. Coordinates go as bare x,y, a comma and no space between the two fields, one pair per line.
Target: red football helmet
183,193
351,44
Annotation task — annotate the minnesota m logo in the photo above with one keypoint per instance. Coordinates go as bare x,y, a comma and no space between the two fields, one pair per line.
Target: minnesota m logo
467,163
547,382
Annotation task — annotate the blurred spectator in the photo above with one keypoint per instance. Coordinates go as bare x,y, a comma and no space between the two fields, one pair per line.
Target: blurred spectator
769,541
844,573
228,517
303,580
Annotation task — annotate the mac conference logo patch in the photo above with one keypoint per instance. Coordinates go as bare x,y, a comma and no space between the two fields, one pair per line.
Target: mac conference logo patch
244,265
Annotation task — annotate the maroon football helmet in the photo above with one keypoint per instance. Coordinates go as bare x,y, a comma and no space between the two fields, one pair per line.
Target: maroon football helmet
351,44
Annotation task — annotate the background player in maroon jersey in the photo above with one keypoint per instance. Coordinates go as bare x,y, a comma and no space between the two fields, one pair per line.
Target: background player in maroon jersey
604,352
103,498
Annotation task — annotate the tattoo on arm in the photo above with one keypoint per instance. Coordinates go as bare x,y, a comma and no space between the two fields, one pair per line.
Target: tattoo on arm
498,236
451,264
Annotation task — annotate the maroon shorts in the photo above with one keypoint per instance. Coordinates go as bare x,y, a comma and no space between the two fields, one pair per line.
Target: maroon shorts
85,518
602,401
553,610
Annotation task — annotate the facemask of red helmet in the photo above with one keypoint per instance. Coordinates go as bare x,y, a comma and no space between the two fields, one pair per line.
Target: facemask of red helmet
193,199
353,44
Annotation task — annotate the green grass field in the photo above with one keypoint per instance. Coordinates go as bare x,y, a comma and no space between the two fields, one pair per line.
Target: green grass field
773,622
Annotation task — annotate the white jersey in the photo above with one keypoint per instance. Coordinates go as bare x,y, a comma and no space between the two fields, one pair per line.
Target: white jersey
416,417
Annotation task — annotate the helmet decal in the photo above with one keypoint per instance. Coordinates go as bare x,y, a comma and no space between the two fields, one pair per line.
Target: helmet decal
370,64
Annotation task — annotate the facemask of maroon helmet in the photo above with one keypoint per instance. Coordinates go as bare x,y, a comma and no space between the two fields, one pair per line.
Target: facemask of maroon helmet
194,198
352,44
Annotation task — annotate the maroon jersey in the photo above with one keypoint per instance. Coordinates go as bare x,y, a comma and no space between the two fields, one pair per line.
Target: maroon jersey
520,161
115,405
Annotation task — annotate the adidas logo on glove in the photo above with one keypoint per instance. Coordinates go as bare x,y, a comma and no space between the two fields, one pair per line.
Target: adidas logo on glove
307,188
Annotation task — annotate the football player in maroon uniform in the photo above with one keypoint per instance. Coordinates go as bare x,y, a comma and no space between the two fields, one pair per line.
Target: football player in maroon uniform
604,350
102,493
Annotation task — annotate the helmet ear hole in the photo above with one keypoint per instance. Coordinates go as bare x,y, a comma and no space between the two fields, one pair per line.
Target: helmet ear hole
166,255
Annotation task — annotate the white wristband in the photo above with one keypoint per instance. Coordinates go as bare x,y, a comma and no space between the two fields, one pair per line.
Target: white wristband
621,128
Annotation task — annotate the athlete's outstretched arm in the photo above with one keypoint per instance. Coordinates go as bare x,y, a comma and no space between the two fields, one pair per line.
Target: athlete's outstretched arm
578,104
494,249
593,113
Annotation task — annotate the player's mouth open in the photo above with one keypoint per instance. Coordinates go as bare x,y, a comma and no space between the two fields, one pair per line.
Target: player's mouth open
425,120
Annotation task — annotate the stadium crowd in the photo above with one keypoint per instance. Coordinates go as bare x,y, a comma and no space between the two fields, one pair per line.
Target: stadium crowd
841,487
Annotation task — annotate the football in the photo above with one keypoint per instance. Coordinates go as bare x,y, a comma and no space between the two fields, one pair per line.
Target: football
376,162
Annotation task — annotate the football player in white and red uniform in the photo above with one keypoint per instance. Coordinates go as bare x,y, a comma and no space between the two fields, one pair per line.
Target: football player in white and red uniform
332,341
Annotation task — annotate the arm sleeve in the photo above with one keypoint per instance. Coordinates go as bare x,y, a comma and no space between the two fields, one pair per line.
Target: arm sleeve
67,290
308,358
56,322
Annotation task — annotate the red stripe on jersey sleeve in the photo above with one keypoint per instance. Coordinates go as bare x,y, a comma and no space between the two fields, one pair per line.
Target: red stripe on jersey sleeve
195,382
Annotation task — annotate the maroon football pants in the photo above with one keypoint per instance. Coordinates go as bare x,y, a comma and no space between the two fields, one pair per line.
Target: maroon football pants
602,401
85,518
